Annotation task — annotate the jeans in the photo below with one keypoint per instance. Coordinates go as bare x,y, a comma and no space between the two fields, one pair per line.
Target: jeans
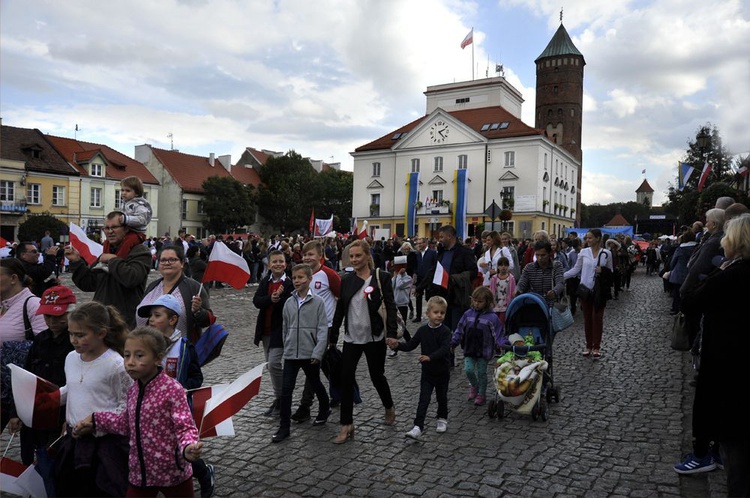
426,384
275,365
476,372
312,372
375,354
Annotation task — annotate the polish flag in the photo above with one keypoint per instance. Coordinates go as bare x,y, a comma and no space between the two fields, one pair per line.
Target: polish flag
10,471
231,400
468,39
704,176
743,171
200,397
37,400
226,266
4,242
363,233
89,249
441,276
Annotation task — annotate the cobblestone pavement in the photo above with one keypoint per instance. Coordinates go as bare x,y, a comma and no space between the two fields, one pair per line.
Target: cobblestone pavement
621,423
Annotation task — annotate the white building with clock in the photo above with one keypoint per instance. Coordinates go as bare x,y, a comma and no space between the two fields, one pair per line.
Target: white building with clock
532,173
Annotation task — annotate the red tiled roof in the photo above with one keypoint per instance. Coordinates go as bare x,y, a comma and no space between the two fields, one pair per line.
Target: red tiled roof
473,118
17,144
645,187
246,174
76,151
259,156
617,220
189,171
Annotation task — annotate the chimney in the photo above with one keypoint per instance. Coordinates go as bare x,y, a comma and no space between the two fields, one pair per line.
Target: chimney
211,159
226,161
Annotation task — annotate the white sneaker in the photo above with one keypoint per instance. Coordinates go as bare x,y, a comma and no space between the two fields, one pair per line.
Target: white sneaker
392,353
442,425
415,433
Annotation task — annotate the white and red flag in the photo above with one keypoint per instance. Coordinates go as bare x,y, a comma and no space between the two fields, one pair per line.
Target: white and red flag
231,400
441,276
89,249
468,39
704,176
38,401
363,233
200,397
226,266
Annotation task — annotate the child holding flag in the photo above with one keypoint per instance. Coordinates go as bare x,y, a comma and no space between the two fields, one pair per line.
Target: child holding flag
157,421
181,363
46,359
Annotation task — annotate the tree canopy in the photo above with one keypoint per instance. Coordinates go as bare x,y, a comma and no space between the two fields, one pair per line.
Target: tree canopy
36,224
228,204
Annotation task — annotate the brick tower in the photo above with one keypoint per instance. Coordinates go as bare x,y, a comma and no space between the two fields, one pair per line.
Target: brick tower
559,95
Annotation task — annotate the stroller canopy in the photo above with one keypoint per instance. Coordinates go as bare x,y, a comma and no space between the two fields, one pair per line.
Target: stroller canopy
527,310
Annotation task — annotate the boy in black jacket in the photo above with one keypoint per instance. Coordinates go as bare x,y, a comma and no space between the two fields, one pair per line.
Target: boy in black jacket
435,340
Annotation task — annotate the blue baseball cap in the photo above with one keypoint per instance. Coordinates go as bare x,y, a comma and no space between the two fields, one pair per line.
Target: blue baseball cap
166,300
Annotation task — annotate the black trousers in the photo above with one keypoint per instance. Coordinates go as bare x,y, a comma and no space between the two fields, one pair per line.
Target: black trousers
312,372
375,354
428,383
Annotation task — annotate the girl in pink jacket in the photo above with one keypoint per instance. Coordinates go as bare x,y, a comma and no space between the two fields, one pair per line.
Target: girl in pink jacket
503,287
163,436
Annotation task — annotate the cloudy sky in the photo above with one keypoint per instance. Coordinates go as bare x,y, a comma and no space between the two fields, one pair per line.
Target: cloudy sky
325,77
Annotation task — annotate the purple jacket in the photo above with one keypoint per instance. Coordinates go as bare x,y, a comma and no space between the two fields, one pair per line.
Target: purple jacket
159,413
488,323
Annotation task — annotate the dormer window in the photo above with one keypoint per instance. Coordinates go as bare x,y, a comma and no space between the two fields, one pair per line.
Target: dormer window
97,169
36,153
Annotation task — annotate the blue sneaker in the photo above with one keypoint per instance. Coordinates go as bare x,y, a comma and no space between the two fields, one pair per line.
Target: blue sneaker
695,465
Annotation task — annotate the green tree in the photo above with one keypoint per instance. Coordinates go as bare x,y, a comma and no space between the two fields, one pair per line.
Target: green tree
288,193
228,204
335,198
36,224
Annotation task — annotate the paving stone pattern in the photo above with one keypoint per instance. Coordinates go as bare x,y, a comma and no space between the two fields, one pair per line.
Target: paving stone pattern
621,424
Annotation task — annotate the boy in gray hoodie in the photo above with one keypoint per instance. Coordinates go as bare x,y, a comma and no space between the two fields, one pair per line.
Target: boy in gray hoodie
305,332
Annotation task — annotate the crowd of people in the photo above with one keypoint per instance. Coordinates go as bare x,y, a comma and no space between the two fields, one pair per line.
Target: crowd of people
135,342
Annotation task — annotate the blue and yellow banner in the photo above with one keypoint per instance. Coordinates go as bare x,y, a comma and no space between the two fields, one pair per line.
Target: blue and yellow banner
412,192
460,200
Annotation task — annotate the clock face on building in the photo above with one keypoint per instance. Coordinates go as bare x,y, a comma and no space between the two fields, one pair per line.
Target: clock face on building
439,132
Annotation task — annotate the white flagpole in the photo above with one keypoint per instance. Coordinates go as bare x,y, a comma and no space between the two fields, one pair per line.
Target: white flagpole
472,53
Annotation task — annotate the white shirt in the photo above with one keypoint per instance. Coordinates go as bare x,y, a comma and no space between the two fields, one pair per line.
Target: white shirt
586,266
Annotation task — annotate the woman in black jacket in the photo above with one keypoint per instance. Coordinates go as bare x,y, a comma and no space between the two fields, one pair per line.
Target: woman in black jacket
362,292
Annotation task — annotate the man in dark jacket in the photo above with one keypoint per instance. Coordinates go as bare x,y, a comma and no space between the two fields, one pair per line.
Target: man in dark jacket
40,273
117,277
426,257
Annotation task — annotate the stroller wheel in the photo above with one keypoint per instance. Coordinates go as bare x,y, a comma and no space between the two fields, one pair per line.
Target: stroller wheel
500,409
548,395
492,408
535,411
544,411
557,394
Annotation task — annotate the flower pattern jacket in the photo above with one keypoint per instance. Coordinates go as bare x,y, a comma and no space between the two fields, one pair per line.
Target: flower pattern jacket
159,425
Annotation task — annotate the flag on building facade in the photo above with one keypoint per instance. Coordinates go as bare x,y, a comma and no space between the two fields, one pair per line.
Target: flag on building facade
88,249
468,39
441,276
200,397
412,193
684,171
231,400
226,266
459,206
743,171
704,176
37,400
363,233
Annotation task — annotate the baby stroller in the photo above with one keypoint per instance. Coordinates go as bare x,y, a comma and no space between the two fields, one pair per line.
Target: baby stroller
526,382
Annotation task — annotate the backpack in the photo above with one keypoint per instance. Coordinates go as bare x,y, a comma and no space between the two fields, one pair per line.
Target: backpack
209,344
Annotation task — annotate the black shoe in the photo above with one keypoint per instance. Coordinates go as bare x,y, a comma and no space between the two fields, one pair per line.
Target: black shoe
335,403
208,482
280,435
301,415
274,410
322,418
417,320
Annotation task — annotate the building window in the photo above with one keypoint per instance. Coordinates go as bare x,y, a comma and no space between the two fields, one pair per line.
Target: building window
438,165
415,165
463,161
97,170
437,196
507,196
58,195
545,162
374,204
201,207
184,209
7,191
118,200
96,197
34,193
510,159
375,169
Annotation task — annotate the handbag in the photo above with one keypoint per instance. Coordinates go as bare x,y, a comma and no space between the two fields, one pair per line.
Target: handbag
15,352
680,340
560,315
383,312
584,293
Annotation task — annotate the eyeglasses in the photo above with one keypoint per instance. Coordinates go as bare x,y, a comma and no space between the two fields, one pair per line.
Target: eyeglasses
112,228
168,261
